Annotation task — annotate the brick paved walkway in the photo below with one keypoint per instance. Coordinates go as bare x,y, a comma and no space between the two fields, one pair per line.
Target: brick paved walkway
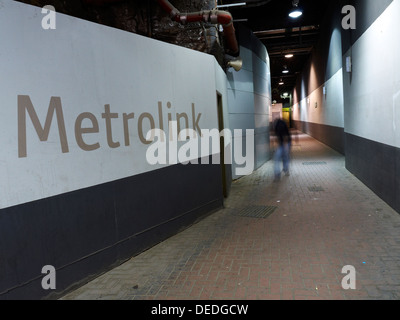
324,219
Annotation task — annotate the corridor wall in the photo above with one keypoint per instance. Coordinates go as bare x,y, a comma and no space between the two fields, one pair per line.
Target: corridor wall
356,111
318,95
249,96
372,98
78,191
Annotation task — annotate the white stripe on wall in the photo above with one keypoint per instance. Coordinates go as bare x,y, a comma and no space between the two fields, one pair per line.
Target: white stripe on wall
324,105
87,66
372,97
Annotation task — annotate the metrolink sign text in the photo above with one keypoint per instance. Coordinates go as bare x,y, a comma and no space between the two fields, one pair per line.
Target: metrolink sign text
26,110
162,133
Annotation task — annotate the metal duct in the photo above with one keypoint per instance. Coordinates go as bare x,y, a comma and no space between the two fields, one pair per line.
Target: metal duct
223,18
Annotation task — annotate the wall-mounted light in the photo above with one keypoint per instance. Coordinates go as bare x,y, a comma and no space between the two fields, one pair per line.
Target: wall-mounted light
236,64
296,11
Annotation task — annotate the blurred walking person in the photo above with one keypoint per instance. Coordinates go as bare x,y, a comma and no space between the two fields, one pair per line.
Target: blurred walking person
282,152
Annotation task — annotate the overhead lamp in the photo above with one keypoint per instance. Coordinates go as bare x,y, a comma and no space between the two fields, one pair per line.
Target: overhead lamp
281,83
285,69
296,11
289,55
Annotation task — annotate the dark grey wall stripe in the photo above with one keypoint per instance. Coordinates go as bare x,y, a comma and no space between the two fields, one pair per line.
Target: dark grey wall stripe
86,232
367,12
377,165
332,136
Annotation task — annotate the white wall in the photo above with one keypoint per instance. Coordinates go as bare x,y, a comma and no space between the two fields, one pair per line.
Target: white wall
320,100
249,98
373,91
324,105
87,66
276,112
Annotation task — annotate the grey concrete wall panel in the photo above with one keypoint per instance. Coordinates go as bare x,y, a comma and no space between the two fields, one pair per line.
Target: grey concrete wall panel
242,81
329,135
261,105
246,55
377,165
260,85
242,121
86,232
261,148
260,67
243,101
249,95
261,123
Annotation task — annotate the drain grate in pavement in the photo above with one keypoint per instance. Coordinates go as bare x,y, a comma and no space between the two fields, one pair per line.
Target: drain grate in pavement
316,189
260,212
314,163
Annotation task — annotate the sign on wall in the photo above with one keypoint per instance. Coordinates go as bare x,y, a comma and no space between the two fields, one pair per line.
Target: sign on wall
78,100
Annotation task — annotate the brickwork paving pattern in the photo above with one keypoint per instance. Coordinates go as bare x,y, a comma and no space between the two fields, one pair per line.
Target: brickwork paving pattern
317,220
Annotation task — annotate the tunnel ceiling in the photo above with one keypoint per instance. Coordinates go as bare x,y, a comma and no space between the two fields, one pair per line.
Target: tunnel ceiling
268,19
147,18
270,22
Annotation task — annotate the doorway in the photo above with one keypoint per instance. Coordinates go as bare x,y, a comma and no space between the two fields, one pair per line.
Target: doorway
225,168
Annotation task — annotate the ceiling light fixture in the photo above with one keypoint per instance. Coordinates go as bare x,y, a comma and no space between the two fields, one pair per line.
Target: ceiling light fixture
285,69
281,83
289,55
296,11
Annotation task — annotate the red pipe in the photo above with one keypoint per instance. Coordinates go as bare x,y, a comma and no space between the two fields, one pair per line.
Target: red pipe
214,16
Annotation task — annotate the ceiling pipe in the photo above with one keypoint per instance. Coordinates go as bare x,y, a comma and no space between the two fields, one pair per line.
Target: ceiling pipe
101,2
251,4
223,18
213,16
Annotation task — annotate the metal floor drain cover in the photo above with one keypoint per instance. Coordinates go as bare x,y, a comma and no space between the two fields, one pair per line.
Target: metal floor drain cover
314,163
316,189
260,212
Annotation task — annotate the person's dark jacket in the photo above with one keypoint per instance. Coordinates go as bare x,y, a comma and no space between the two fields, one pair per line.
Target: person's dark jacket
282,132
